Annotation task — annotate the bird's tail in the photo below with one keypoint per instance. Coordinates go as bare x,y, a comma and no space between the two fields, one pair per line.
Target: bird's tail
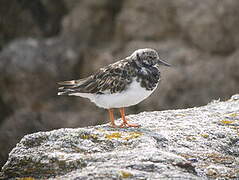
63,91
69,87
66,87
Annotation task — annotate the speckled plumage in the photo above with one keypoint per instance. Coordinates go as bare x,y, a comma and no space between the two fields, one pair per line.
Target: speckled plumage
116,77
121,84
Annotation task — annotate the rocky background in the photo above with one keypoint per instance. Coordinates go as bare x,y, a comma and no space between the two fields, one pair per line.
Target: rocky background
42,42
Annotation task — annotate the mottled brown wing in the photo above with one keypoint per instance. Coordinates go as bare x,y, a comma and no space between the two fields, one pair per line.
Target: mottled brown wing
111,79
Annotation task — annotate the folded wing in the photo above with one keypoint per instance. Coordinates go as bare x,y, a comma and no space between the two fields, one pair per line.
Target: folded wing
109,80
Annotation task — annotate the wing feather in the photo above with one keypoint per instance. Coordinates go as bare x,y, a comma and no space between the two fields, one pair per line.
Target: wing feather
111,79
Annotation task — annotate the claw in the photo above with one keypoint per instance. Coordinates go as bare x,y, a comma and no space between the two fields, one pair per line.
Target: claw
129,125
125,121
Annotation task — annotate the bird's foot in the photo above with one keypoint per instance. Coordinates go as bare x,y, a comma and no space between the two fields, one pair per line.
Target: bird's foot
126,124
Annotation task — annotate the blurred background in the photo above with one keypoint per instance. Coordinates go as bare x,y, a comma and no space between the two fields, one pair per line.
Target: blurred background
43,42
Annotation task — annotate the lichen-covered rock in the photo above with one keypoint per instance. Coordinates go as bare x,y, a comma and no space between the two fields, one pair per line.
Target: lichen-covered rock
26,122
194,143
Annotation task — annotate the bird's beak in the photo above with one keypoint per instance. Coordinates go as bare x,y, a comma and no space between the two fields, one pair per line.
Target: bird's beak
161,62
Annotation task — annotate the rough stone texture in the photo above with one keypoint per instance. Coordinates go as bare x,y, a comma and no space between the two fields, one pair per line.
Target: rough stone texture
199,37
25,122
194,143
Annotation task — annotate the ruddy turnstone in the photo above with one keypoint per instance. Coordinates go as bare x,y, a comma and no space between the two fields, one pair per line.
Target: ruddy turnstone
119,85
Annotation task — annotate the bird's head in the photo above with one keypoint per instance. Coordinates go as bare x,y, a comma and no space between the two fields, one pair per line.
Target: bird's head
148,57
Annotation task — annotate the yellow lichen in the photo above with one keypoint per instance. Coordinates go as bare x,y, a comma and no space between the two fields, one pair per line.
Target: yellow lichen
115,135
205,135
191,138
233,114
133,135
26,178
125,174
94,136
226,121
85,136
88,136
124,136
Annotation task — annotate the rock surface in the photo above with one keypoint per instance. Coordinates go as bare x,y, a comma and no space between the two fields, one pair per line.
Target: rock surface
43,42
195,143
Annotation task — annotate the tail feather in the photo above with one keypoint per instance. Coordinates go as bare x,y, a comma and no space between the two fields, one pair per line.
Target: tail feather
69,87
65,92
73,82
67,83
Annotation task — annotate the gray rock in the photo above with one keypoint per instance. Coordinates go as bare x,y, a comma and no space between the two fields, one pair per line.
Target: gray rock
25,122
195,143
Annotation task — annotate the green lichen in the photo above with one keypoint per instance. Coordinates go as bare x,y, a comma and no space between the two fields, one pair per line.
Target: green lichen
133,135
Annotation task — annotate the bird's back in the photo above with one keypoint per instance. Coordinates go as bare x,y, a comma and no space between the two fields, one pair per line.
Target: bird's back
108,80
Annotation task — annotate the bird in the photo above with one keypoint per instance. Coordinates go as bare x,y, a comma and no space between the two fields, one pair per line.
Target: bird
124,83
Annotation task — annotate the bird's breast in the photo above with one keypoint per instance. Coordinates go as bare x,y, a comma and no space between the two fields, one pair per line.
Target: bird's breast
132,95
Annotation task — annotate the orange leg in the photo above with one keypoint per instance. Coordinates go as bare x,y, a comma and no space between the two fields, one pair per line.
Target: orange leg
125,123
112,119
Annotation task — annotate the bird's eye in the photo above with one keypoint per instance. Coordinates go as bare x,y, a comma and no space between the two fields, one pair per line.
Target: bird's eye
137,55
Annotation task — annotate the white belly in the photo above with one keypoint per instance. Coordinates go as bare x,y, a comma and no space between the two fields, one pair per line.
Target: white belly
131,96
